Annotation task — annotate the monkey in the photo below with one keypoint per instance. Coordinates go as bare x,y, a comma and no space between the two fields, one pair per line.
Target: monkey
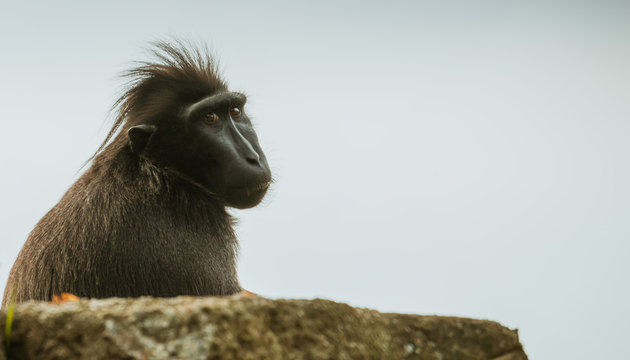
149,217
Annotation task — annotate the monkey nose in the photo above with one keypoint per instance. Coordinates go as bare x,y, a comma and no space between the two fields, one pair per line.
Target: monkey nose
253,158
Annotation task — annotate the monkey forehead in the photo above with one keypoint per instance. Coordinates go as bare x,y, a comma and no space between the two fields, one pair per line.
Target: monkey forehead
217,101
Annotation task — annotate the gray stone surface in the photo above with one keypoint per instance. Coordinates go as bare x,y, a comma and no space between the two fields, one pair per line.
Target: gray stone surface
246,328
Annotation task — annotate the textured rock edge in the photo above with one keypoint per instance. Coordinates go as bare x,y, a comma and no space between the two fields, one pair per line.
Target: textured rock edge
246,328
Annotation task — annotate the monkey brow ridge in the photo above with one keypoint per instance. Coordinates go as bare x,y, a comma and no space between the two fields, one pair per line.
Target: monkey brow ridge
220,100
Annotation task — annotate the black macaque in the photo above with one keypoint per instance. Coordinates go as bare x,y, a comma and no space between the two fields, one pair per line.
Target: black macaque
148,217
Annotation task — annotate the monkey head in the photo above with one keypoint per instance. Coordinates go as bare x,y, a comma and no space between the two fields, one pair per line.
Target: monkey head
179,115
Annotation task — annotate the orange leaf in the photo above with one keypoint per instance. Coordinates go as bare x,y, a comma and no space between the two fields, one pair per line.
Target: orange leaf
64,297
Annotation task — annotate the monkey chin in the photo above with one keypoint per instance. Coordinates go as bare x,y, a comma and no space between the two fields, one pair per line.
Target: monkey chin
247,197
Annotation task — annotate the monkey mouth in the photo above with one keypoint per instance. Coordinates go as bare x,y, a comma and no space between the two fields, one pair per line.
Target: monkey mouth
247,196
257,189
253,190
262,186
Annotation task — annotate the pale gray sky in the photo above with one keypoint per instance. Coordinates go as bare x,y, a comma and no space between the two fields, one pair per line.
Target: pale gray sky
463,158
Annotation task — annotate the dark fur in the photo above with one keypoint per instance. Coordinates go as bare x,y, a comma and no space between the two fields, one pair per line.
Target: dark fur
132,225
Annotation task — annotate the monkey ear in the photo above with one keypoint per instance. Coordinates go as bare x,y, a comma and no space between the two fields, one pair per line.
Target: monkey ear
139,136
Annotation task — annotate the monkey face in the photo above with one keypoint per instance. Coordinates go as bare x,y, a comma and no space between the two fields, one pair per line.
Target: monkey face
213,142
235,165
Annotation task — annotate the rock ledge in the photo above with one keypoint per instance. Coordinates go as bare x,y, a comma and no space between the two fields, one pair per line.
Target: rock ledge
245,328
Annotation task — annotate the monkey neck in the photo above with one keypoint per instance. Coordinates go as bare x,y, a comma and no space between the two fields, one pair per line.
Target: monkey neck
161,188
150,167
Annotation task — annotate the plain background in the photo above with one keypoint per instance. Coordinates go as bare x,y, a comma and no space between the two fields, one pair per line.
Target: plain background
463,158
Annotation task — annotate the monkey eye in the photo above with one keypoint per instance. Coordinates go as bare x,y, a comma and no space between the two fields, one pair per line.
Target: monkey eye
211,118
235,111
